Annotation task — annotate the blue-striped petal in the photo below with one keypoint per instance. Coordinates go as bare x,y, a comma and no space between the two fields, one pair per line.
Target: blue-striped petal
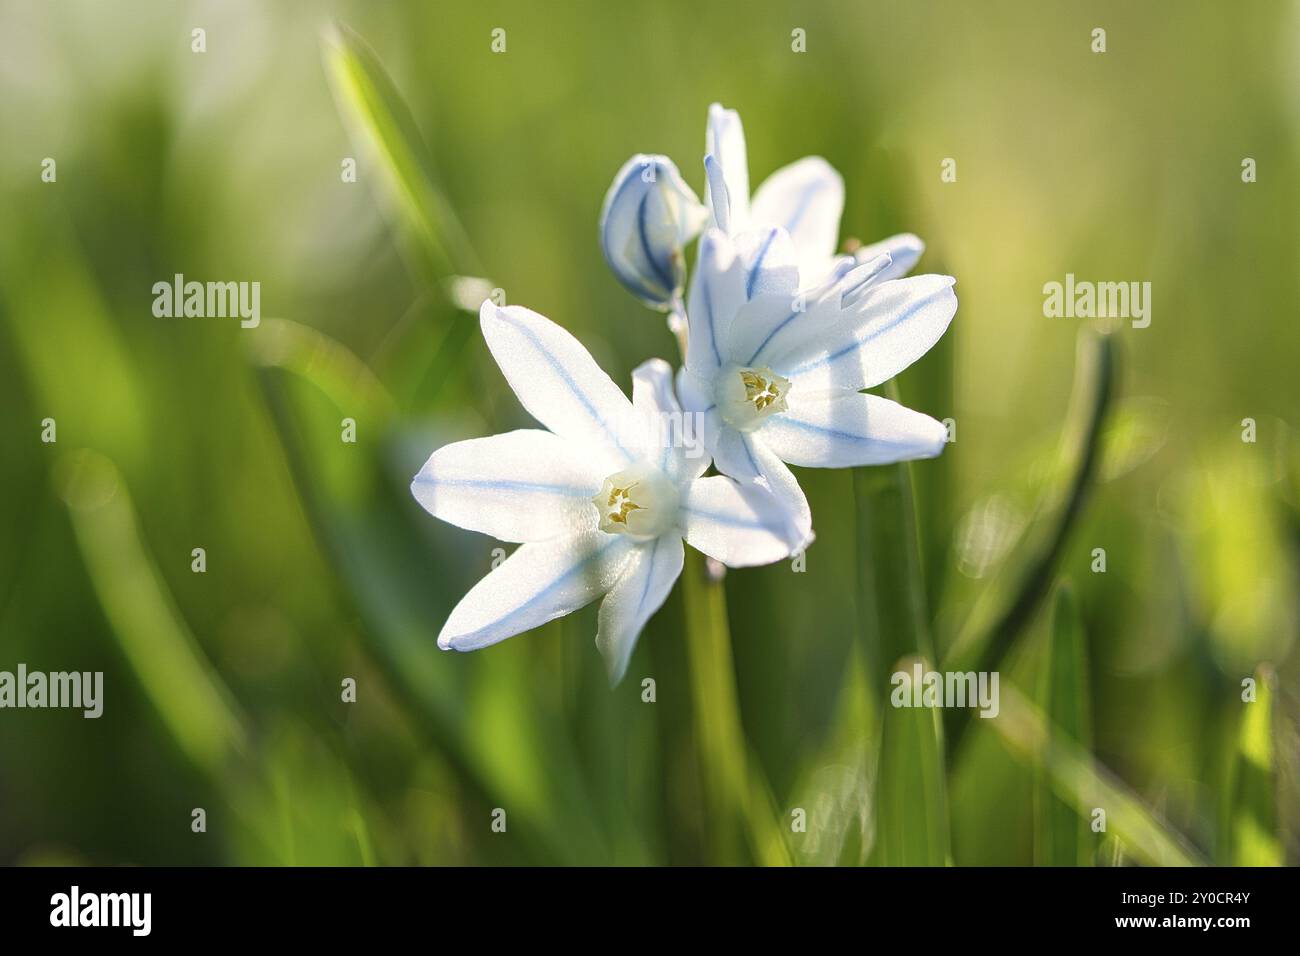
738,524
727,165
769,262
645,583
847,429
525,485
560,384
541,581
805,199
717,294
649,215
903,250
892,325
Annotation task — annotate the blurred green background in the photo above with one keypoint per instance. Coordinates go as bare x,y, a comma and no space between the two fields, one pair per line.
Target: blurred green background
222,689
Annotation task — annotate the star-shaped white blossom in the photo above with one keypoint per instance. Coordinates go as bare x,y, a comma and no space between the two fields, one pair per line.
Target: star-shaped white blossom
805,198
778,373
601,501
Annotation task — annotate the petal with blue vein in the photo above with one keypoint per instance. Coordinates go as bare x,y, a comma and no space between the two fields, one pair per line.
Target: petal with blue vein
717,293
775,476
903,250
769,261
774,324
892,325
541,581
738,524
648,216
674,438
724,140
806,199
846,429
525,485
646,580
560,384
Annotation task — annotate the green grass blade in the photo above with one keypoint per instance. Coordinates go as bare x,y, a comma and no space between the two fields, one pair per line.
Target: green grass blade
911,788
1087,785
739,802
1061,835
911,812
1253,827
891,590
176,676
381,124
835,787
1010,601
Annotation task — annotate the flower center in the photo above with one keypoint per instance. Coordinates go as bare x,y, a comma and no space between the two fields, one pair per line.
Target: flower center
639,502
747,396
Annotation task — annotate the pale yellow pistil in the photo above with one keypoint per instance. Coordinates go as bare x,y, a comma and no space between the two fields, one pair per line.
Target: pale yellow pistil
639,502
747,396
620,503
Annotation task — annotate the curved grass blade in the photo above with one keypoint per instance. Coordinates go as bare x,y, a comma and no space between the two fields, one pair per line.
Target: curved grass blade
380,122
1086,785
1010,602
1253,824
1061,836
189,696
321,360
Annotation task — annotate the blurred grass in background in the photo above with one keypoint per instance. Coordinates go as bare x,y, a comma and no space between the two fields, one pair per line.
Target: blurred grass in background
223,688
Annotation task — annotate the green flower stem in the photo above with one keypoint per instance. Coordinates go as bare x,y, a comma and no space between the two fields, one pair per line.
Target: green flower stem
1061,834
1005,608
910,797
739,806
1253,826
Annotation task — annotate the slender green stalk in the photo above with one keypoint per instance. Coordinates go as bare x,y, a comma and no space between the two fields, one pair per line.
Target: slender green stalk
173,671
1253,831
1007,606
1088,786
1061,836
382,125
738,802
910,797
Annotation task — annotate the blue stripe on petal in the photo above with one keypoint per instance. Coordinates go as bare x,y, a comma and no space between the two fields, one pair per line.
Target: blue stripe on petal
656,267
731,521
649,578
490,484
859,343
770,335
842,436
804,202
563,373
708,308
578,568
758,264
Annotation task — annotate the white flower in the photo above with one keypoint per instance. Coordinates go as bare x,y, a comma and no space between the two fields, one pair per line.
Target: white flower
805,199
648,216
777,373
601,501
